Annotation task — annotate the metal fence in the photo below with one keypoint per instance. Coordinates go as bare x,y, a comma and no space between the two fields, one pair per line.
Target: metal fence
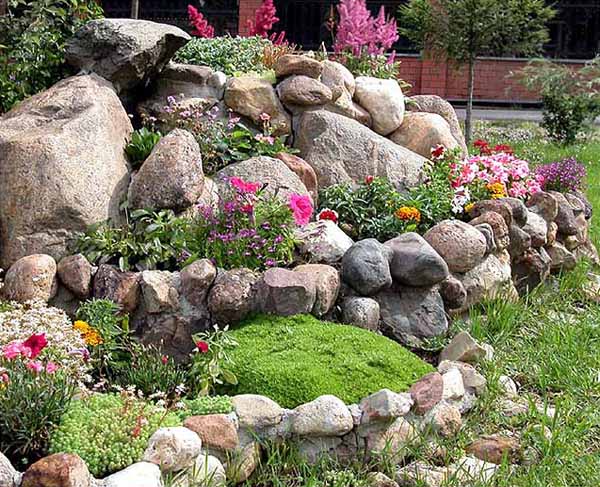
222,14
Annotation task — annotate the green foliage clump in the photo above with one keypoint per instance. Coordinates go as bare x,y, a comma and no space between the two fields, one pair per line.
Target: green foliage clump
231,55
571,98
32,44
141,144
30,407
203,405
294,360
109,431
6,306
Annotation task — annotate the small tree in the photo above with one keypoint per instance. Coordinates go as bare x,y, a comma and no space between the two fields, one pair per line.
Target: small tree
461,30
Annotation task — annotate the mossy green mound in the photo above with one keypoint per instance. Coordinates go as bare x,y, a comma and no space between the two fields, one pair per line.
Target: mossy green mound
295,360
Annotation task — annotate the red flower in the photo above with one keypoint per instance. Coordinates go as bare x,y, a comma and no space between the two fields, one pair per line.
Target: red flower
164,359
438,151
507,149
483,146
36,343
369,179
202,346
328,214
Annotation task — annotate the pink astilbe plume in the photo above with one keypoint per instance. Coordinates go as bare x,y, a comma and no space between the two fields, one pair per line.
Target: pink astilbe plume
201,26
264,20
358,31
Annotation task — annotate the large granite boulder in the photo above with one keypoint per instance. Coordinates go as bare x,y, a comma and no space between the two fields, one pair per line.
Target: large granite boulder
439,106
366,267
30,278
171,177
126,52
194,86
384,101
252,96
302,91
62,166
338,78
342,150
420,132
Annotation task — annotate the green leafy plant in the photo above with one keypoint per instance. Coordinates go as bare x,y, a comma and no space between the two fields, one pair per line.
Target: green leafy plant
109,431
148,240
231,55
212,363
294,360
141,144
32,44
571,98
373,209
222,138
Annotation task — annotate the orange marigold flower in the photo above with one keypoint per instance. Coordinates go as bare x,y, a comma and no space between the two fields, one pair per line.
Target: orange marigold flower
408,213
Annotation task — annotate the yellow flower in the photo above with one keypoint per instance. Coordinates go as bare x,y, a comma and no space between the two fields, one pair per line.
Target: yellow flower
408,213
90,336
497,190
469,207
82,327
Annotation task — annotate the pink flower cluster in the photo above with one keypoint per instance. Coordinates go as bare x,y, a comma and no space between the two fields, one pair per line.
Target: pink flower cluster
29,350
264,20
501,167
201,27
360,32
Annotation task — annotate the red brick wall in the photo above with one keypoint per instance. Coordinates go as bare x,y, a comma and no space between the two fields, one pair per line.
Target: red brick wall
492,79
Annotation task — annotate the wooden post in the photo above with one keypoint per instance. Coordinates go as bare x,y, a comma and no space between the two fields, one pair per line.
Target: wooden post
135,9
3,7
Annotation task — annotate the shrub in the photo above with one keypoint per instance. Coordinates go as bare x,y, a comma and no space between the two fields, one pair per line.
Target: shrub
32,44
564,176
206,405
141,145
34,392
222,143
109,431
294,360
571,98
231,55
65,345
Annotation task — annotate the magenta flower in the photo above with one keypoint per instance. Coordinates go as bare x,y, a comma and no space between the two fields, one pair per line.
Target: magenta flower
244,187
302,208
36,343
51,367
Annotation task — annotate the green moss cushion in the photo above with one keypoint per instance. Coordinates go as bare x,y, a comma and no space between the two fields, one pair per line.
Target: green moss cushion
295,360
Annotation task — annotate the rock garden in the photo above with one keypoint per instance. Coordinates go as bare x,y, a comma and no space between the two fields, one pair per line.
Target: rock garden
228,261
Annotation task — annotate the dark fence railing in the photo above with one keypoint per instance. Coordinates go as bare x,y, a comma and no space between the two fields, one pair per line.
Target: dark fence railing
222,14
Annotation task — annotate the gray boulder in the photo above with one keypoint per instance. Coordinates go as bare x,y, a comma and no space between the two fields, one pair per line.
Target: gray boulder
326,280
410,314
366,267
338,79
285,293
565,218
303,91
171,177
415,262
361,312
384,101
342,150
233,296
62,166
126,52
322,242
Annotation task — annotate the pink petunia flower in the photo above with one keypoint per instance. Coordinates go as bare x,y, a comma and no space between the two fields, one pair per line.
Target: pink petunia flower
36,366
51,367
15,349
302,208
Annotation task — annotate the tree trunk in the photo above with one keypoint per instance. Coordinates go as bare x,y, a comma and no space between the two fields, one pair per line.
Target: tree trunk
468,121
135,9
3,7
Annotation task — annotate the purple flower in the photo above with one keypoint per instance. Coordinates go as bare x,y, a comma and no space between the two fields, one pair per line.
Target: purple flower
566,175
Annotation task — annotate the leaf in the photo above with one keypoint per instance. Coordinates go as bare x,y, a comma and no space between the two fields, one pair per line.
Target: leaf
229,377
